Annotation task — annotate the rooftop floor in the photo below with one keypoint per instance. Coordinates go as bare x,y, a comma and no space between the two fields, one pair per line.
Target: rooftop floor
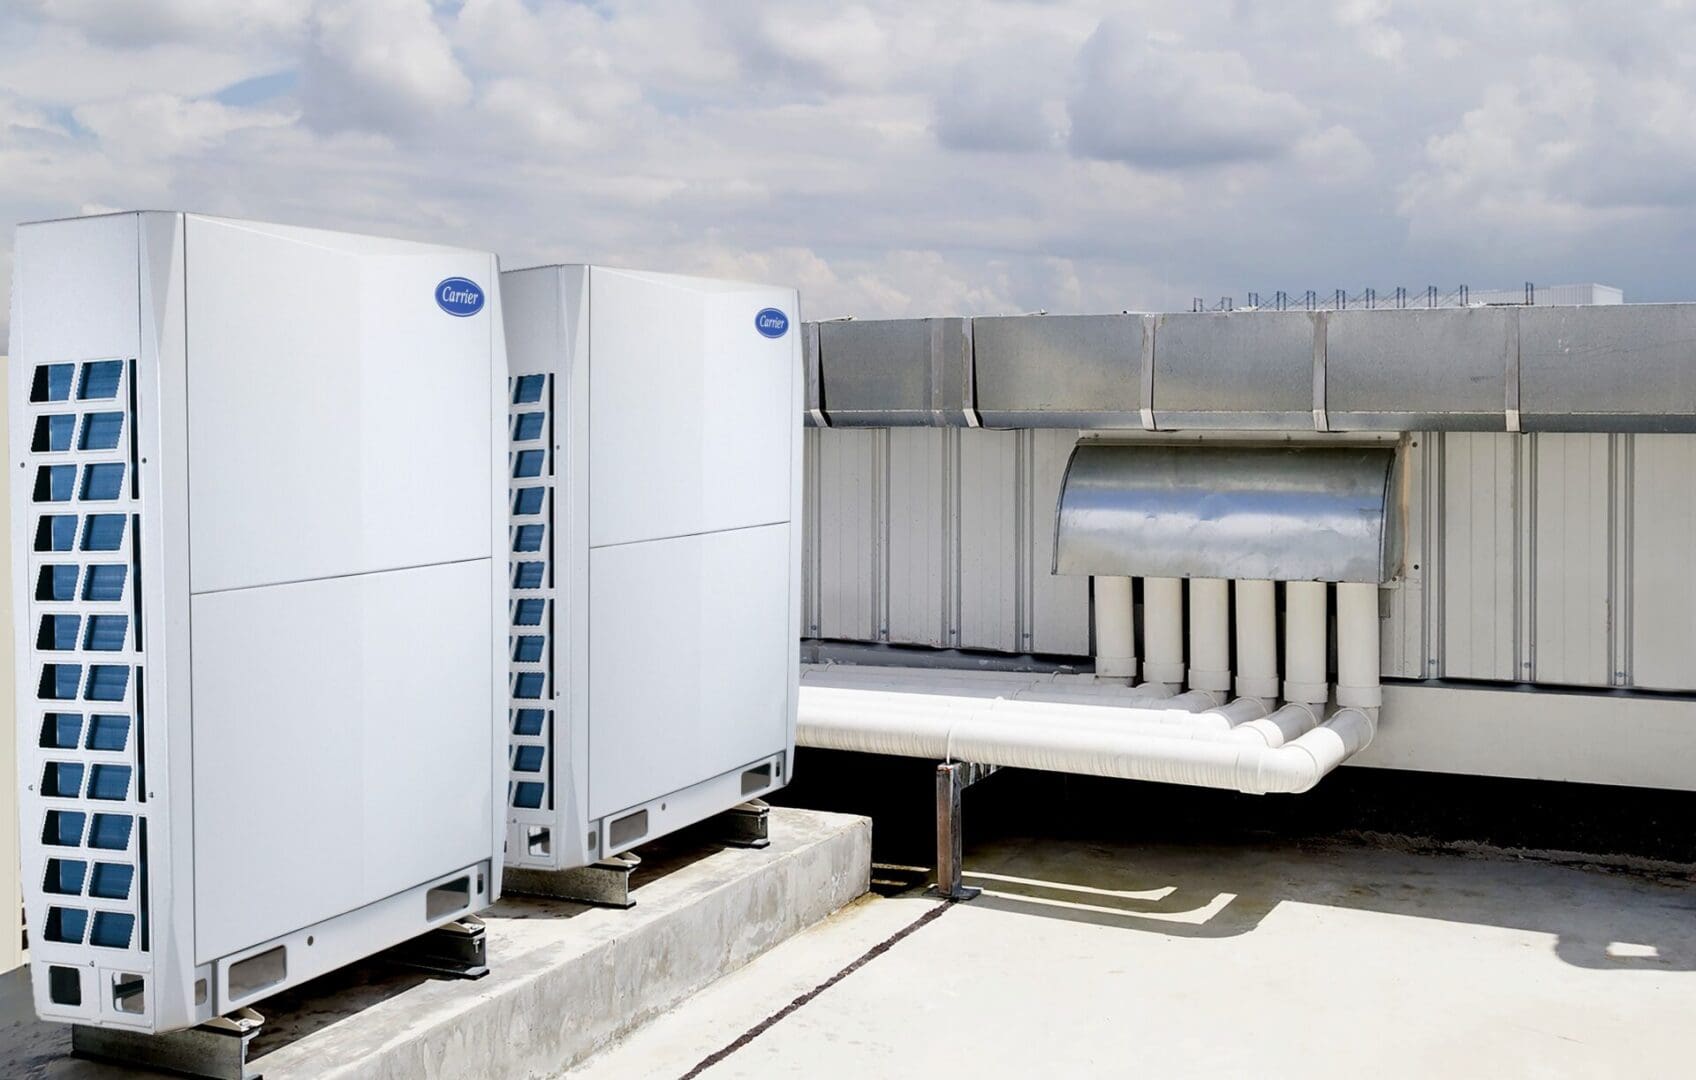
1274,957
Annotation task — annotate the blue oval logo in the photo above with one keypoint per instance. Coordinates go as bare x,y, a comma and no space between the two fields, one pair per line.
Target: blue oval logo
459,297
771,322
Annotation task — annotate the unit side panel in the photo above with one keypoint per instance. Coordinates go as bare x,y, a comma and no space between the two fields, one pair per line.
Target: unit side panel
1479,542
690,405
989,540
850,519
1059,610
1571,572
691,649
1663,562
81,654
919,532
338,727
327,395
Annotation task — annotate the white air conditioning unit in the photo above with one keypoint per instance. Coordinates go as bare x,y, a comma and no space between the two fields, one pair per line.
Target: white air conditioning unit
259,537
655,547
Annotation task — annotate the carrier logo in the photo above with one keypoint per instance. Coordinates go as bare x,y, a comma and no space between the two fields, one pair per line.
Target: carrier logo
771,322
459,297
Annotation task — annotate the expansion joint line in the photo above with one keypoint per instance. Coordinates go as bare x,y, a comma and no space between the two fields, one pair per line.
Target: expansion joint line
864,958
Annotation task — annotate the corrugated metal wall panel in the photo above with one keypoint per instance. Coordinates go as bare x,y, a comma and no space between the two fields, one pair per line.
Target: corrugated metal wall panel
1478,550
1570,569
849,527
1663,562
1520,550
989,539
920,510
1059,607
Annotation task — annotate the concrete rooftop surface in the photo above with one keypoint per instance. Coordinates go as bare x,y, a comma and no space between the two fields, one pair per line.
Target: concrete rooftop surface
1271,958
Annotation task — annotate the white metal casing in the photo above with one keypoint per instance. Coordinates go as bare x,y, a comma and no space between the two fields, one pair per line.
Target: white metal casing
656,555
300,738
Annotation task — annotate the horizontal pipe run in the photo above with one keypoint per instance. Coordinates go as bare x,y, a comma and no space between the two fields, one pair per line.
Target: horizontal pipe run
1234,747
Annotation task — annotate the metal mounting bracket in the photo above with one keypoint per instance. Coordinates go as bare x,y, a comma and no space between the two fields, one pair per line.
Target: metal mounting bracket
459,949
604,884
216,1049
746,825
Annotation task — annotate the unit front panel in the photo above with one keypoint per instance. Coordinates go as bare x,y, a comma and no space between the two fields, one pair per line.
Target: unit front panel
691,408
337,726
690,647
327,418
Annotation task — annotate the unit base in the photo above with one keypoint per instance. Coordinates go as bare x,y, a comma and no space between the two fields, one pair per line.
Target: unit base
745,825
216,1049
459,950
604,884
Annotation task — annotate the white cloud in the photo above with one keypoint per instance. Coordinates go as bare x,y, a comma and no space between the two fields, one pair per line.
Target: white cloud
380,65
1161,104
892,158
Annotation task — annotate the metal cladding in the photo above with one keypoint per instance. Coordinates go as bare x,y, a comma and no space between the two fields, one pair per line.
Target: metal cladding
1619,368
1622,368
1444,370
1080,371
1239,512
1249,370
897,373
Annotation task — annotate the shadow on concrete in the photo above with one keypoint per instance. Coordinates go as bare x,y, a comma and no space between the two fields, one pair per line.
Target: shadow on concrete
1192,863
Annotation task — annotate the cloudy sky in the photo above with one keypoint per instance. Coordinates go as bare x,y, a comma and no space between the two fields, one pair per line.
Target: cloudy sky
895,158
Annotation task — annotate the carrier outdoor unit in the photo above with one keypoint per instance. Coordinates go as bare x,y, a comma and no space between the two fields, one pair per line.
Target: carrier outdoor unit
655,547
259,534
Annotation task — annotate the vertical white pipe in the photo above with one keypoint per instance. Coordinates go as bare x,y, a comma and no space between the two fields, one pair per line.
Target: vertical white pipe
1163,630
1357,646
1115,629
1257,640
1210,635
1304,642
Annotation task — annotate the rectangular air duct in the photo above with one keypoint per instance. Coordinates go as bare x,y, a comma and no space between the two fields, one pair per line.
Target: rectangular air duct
1278,513
259,552
897,373
656,554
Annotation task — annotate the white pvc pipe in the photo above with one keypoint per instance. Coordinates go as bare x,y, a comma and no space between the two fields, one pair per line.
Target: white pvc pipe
1048,686
1294,767
1358,646
1304,642
1115,629
1210,635
1257,640
1163,630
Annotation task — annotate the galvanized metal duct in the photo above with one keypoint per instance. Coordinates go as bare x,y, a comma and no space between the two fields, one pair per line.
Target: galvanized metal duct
896,373
1619,368
1074,371
1234,512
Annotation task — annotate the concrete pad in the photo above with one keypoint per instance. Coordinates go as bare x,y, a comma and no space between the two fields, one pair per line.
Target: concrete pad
1221,960
565,979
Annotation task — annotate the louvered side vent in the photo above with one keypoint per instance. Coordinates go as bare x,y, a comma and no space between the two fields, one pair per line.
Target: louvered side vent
531,711
86,796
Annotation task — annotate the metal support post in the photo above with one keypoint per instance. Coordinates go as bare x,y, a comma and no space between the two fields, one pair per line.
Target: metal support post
952,779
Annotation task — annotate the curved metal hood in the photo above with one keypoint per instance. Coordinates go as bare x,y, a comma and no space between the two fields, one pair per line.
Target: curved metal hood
1282,513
